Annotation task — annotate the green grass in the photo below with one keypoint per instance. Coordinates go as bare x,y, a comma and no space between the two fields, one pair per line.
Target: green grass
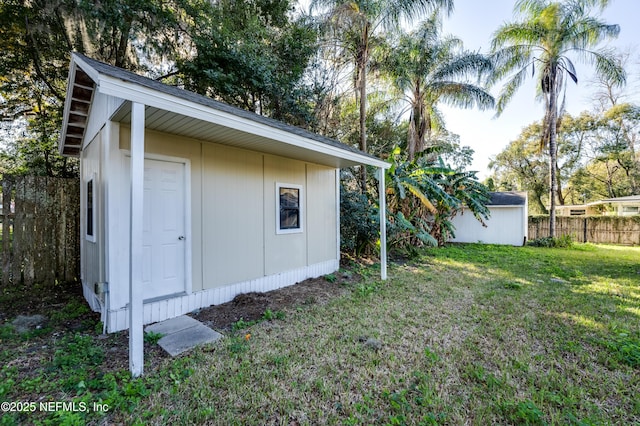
470,334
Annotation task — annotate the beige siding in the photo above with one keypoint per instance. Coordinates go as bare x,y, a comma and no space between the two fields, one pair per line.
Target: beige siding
232,215
321,213
284,251
180,147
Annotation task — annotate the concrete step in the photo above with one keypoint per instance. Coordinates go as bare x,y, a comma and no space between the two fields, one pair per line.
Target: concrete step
182,333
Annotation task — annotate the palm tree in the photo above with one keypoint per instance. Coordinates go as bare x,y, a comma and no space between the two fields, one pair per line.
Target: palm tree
355,23
541,42
427,69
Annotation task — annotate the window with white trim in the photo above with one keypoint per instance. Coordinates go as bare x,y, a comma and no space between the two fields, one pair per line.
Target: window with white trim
289,208
90,211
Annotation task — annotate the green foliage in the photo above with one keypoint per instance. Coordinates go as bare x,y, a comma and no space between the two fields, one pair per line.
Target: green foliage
70,311
359,221
260,54
367,288
242,324
77,350
427,68
624,347
523,412
541,43
152,337
332,278
37,38
423,197
564,241
270,315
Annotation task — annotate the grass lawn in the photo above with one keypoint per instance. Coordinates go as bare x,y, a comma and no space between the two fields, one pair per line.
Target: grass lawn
469,334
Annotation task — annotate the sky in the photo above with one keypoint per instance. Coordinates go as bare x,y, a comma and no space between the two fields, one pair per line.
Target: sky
474,22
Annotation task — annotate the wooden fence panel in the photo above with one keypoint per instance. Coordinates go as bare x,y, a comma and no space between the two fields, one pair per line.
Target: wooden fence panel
40,229
624,230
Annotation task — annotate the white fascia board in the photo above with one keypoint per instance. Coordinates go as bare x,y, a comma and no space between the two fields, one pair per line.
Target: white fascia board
67,105
89,70
135,93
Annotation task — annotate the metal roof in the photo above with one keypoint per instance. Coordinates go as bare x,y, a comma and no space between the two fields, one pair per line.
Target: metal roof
181,112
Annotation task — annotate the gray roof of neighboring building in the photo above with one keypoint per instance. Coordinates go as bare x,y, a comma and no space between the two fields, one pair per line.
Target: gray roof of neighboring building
509,198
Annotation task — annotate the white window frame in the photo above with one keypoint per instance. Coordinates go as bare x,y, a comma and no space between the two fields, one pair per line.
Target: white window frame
91,181
301,212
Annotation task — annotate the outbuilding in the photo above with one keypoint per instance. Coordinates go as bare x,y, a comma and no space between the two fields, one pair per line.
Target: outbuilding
508,223
187,202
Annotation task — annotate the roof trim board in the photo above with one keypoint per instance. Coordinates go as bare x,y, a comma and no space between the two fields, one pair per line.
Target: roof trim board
272,134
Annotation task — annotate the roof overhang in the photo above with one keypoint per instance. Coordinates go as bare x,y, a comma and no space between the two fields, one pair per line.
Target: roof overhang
80,90
172,110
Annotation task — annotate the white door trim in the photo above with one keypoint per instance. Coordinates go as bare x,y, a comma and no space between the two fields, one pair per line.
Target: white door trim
188,285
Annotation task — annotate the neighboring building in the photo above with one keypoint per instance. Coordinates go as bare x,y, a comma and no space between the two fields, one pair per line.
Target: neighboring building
621,206
187,202
508,223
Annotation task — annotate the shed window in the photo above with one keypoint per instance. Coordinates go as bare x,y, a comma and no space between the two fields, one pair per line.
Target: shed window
630,209
578,212
289,212
90,231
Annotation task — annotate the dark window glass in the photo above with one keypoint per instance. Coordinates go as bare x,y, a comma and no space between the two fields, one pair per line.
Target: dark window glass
289,208
90,208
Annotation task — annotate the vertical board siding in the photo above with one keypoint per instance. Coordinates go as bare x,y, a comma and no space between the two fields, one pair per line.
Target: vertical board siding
39,233
624,230
232,217
506,225
321,214
165,309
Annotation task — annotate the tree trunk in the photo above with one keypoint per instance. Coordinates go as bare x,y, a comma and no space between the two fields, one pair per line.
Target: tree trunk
362,64
363,124
553,152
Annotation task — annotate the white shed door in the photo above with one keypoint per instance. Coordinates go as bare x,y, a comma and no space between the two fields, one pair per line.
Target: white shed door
164,241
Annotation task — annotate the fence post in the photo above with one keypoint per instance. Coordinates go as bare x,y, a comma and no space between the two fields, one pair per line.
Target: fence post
585,233
7,219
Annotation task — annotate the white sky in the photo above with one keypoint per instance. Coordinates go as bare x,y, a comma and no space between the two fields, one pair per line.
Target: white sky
474,22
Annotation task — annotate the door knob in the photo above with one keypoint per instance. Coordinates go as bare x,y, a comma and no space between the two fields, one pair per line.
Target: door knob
181,237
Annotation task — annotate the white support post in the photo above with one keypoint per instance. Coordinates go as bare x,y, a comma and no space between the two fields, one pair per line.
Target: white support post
383,225
136,336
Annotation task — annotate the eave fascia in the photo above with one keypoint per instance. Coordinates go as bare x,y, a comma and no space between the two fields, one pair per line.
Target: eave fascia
135,93
67,105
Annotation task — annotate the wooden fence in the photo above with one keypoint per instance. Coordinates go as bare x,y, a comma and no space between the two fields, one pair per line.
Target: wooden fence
594,229
40,231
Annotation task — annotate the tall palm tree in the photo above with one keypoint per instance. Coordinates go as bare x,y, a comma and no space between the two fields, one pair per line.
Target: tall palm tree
355,23
426,69
541,44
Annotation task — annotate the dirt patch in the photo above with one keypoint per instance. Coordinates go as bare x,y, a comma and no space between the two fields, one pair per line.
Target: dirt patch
68,315
252,306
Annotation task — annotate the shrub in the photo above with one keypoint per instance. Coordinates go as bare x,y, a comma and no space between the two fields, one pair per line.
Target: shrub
564,241
359,221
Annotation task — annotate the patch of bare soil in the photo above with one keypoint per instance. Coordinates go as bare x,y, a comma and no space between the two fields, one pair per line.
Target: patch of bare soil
252,306
36,353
